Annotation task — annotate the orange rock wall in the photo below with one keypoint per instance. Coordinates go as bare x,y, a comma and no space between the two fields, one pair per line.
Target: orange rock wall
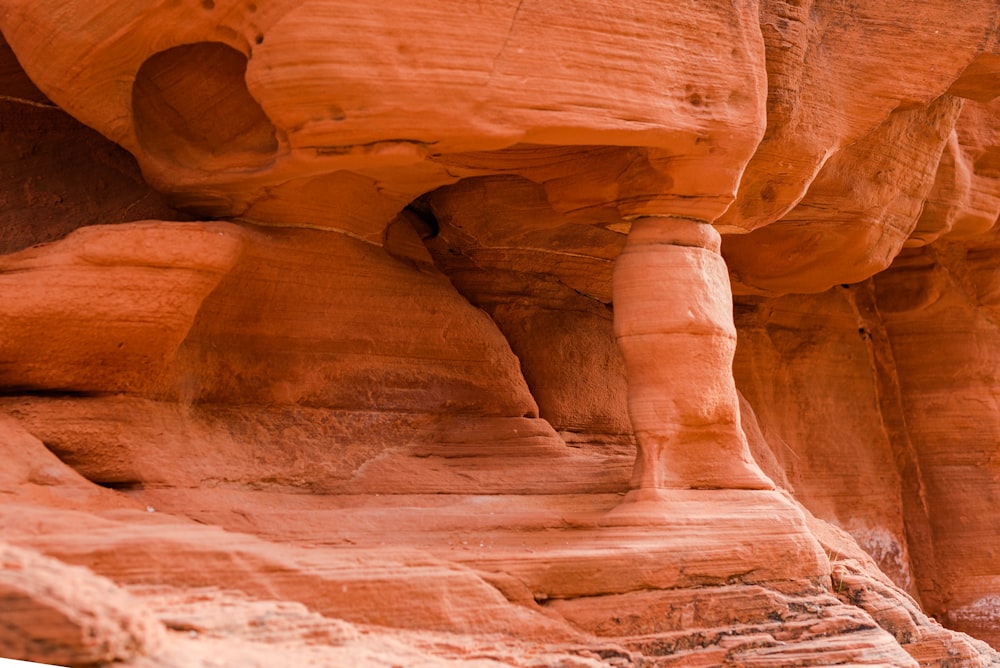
58,174
354,388
917,428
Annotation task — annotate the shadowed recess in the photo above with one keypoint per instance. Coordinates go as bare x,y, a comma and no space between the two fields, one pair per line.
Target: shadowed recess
191,105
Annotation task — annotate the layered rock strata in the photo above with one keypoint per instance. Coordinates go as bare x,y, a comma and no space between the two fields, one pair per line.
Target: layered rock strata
437,358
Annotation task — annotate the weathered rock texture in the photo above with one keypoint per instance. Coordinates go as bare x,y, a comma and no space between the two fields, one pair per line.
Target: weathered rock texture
503,333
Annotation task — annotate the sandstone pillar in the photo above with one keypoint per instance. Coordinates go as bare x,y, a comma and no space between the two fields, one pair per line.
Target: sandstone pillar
674,325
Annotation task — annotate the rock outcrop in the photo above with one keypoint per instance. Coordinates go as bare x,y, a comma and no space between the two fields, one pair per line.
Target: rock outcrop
523,333
61,614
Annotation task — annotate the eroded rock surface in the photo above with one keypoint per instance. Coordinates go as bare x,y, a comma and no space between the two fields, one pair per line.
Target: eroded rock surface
424,350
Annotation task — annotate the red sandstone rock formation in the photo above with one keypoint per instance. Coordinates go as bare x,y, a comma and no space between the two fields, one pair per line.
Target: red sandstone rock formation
428,352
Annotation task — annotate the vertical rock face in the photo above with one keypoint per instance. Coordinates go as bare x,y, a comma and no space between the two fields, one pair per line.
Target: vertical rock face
953,425
919,421
58,174
425,346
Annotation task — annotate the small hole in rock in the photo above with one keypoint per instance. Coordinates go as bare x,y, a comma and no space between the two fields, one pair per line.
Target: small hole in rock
425,221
